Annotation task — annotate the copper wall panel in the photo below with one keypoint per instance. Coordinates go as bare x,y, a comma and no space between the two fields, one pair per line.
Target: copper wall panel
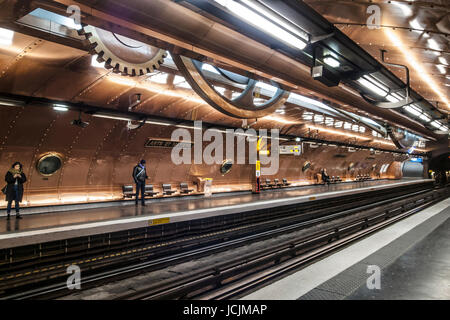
98,160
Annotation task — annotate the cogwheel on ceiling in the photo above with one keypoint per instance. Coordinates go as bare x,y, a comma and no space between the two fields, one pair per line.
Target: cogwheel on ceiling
124,55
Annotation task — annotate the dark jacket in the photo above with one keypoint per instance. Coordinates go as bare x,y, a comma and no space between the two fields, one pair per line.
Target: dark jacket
10,180
138,176
325,177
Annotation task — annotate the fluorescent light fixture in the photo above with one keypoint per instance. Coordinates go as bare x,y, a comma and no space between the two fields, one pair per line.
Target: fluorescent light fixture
416,25
106,116
95,63
391,98
6,37
57,18
112,117
11,103
332,62
297,139
442,60
60,107
158,123
424,117
266,86
439,125
441,68
266,21
318,118
414,110
432,44
372,87
436,124
308,116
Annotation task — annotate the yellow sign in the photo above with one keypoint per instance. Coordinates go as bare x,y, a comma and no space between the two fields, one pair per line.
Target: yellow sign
258,165
158,221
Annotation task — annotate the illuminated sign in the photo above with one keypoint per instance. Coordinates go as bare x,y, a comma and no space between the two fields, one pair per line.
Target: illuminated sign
295,150
166,143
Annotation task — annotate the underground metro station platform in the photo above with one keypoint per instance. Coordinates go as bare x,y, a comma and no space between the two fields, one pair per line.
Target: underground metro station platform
243,150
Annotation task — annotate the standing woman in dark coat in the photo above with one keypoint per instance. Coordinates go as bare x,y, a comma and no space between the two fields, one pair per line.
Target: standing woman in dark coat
14,190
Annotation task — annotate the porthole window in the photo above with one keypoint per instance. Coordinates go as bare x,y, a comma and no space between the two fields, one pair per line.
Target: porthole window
351,166
226,166
48,164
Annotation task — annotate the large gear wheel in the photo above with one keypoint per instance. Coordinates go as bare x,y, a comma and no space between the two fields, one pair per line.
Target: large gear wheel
124,55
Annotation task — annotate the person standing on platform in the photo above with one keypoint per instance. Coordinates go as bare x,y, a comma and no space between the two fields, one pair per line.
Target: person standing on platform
139,176
325,176
15,178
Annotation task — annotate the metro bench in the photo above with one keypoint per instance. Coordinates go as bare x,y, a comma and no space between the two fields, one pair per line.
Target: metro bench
167,190
276,184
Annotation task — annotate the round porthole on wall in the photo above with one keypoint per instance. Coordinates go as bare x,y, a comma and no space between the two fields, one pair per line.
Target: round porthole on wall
226,166
48,164
306,166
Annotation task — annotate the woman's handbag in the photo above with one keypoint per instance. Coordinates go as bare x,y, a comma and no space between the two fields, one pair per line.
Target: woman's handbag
4,189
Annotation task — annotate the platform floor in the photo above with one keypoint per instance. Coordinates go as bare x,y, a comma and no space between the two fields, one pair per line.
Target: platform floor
155,207
64,224
413,257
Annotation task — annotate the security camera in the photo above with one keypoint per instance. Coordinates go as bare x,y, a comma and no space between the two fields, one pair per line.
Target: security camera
79,123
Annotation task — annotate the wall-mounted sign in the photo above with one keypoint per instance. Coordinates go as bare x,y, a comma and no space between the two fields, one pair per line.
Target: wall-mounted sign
166,143
295,150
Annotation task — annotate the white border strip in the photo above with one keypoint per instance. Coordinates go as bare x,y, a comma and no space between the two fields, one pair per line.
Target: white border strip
296,285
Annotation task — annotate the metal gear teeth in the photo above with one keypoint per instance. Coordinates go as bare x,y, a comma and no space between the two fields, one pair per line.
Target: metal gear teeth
96,47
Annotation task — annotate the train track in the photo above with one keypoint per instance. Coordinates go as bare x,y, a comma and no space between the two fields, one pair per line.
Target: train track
235,278
250,271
